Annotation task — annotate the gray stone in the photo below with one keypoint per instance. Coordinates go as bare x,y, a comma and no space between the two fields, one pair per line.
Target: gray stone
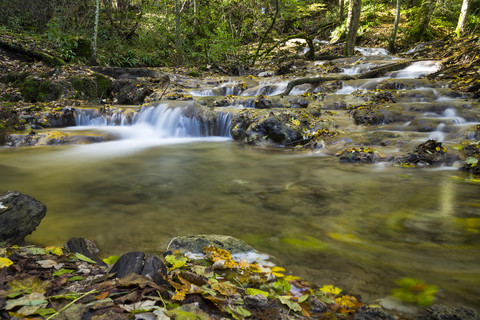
256,301
138,262
368,313
443,312
194,244
20,215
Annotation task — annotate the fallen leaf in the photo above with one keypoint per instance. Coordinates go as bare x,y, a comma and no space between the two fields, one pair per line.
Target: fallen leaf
32,299
5,262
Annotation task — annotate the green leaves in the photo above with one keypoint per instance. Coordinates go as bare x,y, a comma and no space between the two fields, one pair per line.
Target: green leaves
80,256
254,292
177,261
282,286
415,291
289,303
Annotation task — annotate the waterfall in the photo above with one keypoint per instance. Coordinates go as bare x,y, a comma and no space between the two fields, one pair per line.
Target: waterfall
161,121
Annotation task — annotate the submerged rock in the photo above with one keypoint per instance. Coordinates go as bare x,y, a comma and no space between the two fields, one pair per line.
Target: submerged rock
361,155
20,215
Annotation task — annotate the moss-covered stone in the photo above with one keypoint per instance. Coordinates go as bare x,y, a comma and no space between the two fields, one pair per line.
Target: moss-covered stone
92,89
103,86
84,48
30,89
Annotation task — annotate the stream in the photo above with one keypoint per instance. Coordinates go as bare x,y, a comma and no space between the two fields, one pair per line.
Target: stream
359,227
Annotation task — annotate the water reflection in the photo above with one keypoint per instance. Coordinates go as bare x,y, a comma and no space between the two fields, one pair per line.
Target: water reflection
360,227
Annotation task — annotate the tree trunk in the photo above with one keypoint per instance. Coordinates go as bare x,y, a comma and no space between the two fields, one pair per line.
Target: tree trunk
93,58
417,32
353,22
395,28
462,20
341,4
178,41
277,11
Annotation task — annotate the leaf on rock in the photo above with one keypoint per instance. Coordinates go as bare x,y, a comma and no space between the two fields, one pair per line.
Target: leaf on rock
55,250
5,262
80,256
111,260
331,289
254,292
215,254
47,264
177,261
62,272
225,289
289,303
32,299
282,286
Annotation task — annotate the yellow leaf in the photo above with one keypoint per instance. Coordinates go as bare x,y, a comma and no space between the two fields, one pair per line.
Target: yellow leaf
5,262
330,289
224,289
215,254
55,250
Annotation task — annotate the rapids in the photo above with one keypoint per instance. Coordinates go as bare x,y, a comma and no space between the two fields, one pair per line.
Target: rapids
359,227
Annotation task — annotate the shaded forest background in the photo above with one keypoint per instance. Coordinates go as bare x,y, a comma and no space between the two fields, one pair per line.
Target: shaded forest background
151,33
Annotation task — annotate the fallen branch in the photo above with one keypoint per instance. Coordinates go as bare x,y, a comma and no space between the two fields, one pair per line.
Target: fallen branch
373,73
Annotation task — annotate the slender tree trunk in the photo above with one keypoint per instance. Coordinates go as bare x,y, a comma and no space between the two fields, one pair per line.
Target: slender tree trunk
395,27
277,11
178,40
353,22
462,20
341,4
93,58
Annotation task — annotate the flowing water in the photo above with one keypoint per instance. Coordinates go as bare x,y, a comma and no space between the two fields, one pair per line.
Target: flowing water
360,227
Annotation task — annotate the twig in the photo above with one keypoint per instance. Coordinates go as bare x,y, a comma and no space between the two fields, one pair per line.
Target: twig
68,305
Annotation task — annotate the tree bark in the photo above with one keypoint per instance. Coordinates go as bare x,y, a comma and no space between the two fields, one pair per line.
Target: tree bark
462,20
417,32
277,11
178,41
341,5
93,58
353,22
373,73
395,28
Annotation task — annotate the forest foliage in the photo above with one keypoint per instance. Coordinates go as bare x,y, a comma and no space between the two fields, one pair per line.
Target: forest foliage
199,32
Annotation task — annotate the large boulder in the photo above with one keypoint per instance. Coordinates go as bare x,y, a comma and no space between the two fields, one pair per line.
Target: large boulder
20,215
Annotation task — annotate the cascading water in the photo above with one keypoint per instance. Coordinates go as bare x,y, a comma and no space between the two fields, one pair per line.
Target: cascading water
158,122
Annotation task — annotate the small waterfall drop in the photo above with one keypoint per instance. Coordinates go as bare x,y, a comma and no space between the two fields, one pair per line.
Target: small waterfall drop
158,122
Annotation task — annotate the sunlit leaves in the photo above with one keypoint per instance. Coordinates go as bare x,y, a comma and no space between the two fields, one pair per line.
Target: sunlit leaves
223,258
282,286
5,262
415,291
254,292
111,260
177,261
331,289
80,256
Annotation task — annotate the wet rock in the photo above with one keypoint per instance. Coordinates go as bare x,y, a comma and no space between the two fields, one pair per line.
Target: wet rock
428,153
127,91
86,247
298,102
194,244
369,313
256,301
360,155
20,215
368,115
316,305
284,68
443,312
143,264
275,130
262,103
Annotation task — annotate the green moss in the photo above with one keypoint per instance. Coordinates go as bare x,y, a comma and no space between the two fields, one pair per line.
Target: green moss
103,86
15,78
48,91
30,89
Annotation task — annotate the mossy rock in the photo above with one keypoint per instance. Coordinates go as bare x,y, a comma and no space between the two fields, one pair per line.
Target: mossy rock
84,48
194,244
91,88
15,78
30,89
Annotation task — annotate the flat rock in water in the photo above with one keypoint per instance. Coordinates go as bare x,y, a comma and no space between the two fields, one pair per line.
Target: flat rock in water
194,244
20,215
